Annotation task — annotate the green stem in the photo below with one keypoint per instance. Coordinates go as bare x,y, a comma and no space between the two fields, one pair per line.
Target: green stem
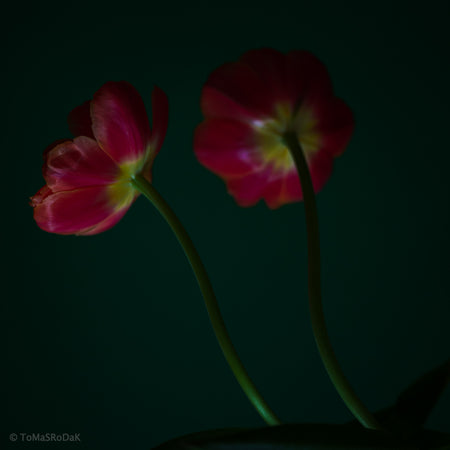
146,188
315,303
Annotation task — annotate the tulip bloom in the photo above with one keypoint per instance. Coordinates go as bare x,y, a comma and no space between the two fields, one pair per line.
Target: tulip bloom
249,106
88,179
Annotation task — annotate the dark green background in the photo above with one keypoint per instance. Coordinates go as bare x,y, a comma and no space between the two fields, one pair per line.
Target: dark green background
108,336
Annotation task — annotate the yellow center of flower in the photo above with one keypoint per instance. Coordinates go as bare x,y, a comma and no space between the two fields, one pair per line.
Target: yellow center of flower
269,135
122,193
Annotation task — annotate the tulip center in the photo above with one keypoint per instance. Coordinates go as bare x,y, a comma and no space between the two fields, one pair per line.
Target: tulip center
270,136
122,192
304,124
130,168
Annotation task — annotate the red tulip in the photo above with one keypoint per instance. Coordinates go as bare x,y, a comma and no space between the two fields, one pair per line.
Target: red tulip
248,107
88,179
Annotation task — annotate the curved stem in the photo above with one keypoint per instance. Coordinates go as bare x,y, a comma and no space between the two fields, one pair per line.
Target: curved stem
146,188
329,359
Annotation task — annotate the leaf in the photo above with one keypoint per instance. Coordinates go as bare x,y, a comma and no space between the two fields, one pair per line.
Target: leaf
304,436
406,418
415,404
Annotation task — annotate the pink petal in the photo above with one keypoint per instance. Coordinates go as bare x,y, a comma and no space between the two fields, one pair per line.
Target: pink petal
50,147
307,76
120,122
40,196
273,192
106,224
160,118
242,85
79,120
287,188
76,211
283,189
216,104
271,67
70,165
335,124
226,147
320,167
248,190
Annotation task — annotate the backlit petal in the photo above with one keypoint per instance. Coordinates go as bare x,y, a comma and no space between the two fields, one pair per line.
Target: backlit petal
160,118
271,67
79,120
320,167
78,163
335,124
283,189
40,196
248,190
227,147
120,122
241,84
106,224
307,76
76,211
287,188
216,104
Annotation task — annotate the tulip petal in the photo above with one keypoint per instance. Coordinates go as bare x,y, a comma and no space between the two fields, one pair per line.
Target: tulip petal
283,189
335,124
320,167
273,192
78,163
248,190
287,188
79,120
227,147
160,118
216,104
77,211
307,76
270,65
50,147
242,85
106,224
40,196
120,122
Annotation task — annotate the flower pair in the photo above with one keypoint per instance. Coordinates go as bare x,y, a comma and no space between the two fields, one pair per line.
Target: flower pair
249,106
